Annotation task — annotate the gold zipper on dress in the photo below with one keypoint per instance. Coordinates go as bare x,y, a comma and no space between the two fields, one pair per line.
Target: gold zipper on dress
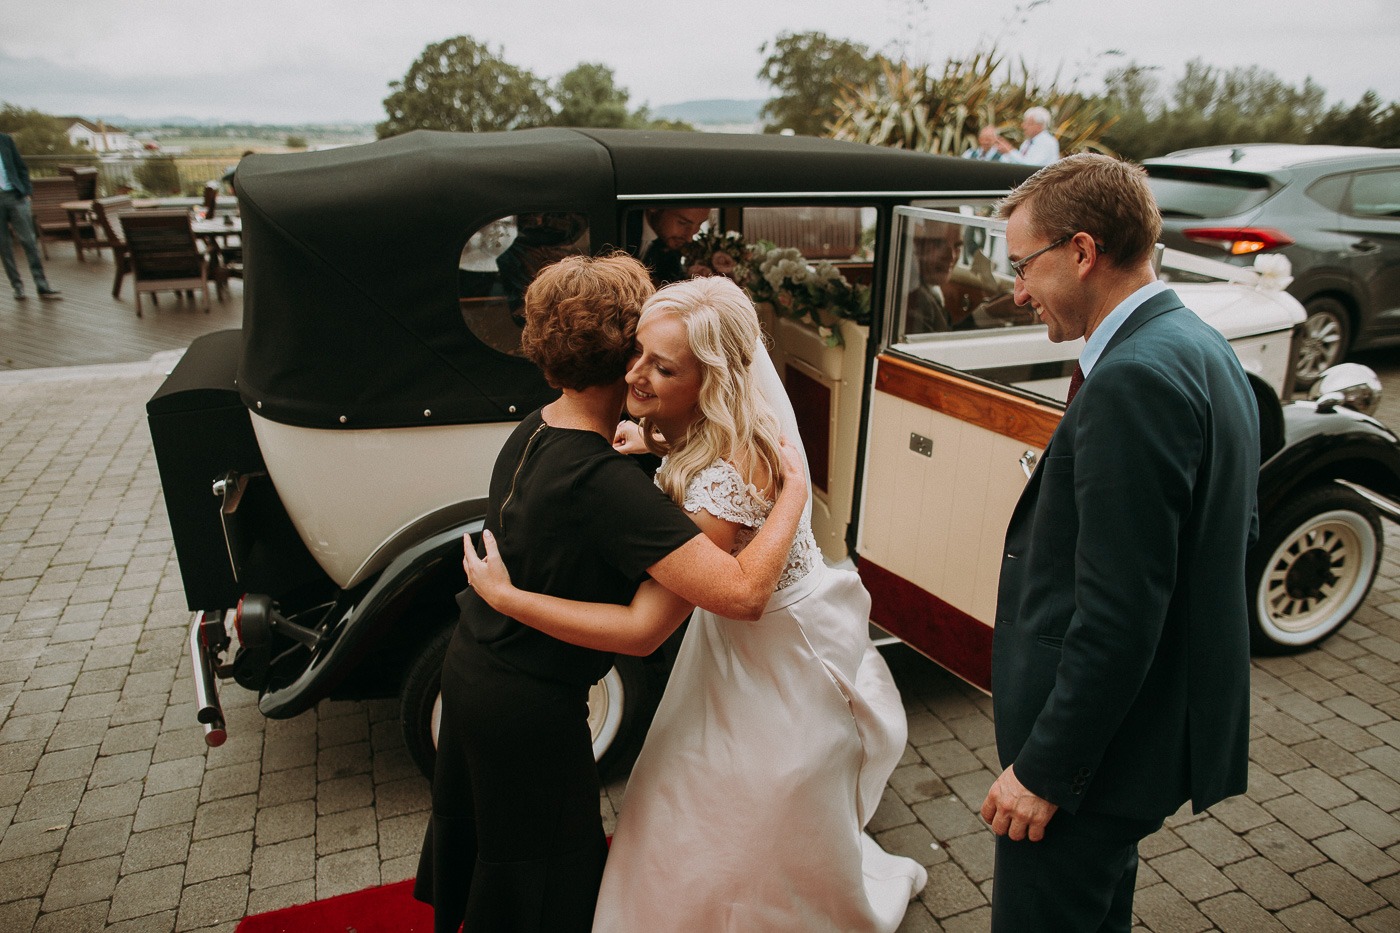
501,515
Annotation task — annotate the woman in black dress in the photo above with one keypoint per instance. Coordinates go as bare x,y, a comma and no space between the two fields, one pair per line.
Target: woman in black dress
515,841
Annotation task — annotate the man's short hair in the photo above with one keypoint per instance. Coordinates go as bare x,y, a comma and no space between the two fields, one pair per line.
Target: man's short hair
581,318
1106,198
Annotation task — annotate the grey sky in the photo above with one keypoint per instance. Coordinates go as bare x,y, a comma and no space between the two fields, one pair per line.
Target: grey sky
331,60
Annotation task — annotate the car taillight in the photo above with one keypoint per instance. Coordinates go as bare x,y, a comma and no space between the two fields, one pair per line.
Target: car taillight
1239,241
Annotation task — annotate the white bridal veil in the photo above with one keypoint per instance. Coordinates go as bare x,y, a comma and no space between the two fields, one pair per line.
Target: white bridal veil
765,377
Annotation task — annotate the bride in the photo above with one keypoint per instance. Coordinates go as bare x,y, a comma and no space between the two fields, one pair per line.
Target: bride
774,740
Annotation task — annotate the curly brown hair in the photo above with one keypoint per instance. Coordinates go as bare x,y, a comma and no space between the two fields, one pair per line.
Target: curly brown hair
581,318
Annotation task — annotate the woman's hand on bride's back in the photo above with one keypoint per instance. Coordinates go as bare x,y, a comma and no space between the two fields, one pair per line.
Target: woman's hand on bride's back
487,575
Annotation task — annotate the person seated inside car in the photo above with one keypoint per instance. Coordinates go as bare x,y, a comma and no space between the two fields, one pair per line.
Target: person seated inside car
542,238
665,232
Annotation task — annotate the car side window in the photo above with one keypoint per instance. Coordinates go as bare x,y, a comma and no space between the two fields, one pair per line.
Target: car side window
501,259
1376,194
1330,192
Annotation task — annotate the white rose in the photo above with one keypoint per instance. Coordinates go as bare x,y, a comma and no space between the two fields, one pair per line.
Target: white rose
1274,271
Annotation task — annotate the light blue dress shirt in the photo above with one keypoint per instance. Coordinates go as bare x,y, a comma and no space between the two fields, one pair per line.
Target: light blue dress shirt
1098,340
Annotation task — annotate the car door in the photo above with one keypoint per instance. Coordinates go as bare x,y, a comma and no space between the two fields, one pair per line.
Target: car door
1371,219
957,421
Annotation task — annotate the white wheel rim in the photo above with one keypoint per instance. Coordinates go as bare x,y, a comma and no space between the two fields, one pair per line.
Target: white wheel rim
435,721
1341,541
606,699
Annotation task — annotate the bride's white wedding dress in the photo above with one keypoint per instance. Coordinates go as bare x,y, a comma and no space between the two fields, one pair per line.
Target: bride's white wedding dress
767,757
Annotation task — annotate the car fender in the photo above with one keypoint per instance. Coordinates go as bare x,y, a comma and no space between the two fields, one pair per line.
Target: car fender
365,616
1325,446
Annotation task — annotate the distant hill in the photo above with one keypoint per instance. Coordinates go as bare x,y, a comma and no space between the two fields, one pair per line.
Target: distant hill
721,110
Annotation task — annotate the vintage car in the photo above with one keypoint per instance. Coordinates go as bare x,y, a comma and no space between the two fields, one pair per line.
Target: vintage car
321,465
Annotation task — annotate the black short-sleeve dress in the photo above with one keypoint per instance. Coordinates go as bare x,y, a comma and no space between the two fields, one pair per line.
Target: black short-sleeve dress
515,840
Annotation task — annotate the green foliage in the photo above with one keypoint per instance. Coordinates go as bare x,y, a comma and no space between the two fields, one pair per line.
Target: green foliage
588,96
911,107
159,176
1365,123
459,84
1208,107
810,71
296,142
36,133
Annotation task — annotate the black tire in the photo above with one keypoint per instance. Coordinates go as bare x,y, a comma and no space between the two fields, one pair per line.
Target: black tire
1317,556
1325,341
420,701
620,707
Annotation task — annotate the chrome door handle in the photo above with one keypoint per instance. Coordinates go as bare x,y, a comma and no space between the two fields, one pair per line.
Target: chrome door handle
1027,462
1365,246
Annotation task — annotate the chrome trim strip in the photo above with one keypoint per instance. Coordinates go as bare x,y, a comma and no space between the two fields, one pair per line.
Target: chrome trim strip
1387,508
692,196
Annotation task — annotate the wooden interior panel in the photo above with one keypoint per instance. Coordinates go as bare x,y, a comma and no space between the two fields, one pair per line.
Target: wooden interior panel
1000,412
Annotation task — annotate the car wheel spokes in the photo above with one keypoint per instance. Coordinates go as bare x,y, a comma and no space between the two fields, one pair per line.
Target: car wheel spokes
1311,574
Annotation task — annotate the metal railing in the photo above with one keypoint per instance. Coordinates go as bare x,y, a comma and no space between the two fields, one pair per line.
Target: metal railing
152,175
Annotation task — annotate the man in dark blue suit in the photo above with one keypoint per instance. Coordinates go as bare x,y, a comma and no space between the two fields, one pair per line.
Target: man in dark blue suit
14,212
1120,666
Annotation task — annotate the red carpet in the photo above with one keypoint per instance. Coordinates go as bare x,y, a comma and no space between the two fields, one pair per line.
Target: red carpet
389,908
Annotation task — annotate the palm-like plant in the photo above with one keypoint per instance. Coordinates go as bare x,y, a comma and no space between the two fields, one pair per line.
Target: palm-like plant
909,107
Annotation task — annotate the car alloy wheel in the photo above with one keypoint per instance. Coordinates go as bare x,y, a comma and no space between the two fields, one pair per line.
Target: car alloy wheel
1323,342
1320,554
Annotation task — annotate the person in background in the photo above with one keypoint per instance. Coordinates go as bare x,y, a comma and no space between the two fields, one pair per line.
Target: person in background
228,175
665,233
1040,146
986,149
15,214
1120,657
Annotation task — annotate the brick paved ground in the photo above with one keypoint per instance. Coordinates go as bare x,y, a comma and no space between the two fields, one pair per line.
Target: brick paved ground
116,817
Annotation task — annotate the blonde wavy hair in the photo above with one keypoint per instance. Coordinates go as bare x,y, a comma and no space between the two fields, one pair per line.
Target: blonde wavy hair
736,423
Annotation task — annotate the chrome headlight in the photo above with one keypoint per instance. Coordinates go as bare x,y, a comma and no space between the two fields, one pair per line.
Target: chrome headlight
1348,384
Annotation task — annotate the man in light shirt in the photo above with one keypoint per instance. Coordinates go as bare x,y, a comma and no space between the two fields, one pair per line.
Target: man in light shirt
1040,146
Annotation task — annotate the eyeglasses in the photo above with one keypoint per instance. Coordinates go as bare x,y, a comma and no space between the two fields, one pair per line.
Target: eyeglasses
1019,266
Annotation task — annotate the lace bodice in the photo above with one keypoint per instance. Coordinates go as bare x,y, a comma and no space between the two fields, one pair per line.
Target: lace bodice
721,491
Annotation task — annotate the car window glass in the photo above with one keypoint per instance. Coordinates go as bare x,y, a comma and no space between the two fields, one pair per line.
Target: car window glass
1376,194
1330,192
501,259
1183,192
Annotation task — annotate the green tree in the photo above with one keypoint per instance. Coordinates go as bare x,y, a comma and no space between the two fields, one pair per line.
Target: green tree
588,96
295,142
460,84
35,132
159,175
810,71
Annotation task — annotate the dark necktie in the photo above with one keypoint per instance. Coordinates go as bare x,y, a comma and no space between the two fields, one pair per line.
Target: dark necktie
1075,382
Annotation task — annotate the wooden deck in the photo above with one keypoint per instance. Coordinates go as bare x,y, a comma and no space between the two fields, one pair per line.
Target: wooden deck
90,326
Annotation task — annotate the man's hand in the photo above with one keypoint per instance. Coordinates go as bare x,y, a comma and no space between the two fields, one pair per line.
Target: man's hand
1013,811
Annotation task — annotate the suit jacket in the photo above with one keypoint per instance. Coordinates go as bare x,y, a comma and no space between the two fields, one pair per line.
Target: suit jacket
1120,669
15,168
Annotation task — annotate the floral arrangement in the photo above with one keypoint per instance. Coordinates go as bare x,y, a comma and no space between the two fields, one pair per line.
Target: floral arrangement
783,278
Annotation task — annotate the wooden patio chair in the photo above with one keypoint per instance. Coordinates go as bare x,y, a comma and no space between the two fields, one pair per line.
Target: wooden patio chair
164,254
108,212
85,177
46,204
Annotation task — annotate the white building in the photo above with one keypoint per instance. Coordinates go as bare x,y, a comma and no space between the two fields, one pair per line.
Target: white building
100,137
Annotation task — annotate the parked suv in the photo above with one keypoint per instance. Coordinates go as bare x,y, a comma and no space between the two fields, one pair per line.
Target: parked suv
1334,211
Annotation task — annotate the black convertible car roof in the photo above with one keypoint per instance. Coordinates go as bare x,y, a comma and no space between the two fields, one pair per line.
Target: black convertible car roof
350,302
